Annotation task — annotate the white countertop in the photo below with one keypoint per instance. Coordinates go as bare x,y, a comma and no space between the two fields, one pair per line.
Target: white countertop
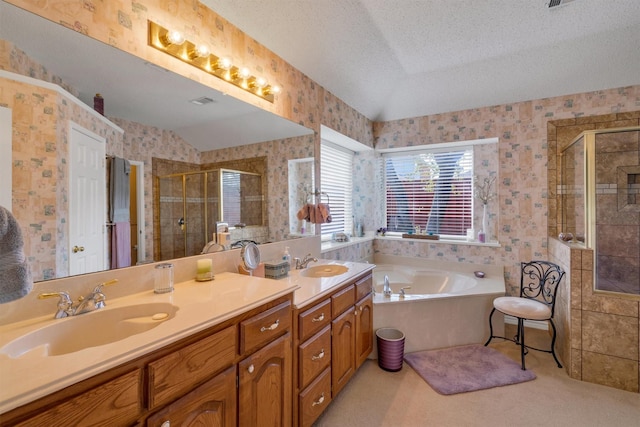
313,289
200,305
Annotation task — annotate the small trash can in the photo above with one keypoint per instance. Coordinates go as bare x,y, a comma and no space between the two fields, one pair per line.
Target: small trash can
390,349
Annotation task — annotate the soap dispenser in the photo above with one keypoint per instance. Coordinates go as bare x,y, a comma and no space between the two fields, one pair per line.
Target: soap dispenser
286,256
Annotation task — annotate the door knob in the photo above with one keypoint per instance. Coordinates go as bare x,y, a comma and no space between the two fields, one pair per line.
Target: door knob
77,249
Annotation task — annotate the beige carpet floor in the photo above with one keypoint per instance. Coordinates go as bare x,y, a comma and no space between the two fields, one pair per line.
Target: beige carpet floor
375,397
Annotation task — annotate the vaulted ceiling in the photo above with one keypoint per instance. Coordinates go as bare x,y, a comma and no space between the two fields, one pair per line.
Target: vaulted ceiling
406,58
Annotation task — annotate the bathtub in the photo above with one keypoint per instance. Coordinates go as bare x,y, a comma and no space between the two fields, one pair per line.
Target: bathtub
444,303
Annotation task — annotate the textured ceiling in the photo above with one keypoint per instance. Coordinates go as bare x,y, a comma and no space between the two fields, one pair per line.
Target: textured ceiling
399,59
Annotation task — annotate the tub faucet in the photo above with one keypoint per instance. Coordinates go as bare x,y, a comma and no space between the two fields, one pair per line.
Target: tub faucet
303,264
386,290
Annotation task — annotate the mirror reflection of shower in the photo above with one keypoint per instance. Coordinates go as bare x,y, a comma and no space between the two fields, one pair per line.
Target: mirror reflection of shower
600,198
191,205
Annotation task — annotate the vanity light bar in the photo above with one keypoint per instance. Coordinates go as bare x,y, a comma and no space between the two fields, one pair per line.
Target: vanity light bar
172,43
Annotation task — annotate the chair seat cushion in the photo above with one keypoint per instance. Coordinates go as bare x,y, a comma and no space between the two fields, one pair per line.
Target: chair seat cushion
523,308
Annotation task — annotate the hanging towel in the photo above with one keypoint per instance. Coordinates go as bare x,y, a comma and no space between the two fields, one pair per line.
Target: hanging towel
121,245
15,275
324,212
119,189
312,213
303,213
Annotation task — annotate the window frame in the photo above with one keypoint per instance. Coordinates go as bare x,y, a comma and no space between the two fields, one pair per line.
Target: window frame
485,163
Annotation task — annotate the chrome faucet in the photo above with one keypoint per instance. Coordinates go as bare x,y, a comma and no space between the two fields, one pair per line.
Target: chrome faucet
386,290
65,305
303,264
92,301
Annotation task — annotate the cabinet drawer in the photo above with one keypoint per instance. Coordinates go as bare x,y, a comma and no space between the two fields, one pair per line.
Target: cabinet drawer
179,372
364,287
314,356
117,402
212,404
315,398
342,300
314,319
264,327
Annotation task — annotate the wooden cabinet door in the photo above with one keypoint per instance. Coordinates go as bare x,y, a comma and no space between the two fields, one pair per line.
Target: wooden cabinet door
343,359
364,329
265,386
211,404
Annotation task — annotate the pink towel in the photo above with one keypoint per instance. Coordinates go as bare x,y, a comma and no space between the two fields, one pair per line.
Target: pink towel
312,213
121,245
303,213
325,213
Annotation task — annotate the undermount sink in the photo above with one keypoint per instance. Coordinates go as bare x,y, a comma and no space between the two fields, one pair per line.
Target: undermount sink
326,270
93,329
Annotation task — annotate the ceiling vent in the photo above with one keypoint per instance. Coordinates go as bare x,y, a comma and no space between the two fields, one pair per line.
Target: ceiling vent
556,3
202,101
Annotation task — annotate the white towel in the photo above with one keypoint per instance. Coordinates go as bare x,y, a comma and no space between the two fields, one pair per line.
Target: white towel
15,274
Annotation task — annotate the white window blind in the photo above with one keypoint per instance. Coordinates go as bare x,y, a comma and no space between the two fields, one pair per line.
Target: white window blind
432,190
232,205
336,176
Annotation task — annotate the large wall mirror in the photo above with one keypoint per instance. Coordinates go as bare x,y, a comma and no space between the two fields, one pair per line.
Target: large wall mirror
152,115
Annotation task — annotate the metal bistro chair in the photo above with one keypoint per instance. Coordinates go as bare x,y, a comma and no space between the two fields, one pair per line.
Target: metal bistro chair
539,282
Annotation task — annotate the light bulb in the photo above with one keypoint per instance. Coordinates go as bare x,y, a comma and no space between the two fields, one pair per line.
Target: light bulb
244,73
261,82
224,63
174,37
202,50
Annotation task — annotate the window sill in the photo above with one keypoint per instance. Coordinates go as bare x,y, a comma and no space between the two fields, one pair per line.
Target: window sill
330,245
491,244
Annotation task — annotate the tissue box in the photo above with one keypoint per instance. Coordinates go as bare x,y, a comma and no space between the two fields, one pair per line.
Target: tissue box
276,269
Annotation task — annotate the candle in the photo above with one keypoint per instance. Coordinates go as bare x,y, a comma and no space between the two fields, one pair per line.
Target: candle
204,266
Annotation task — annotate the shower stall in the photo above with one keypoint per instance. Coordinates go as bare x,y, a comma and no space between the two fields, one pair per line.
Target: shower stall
188,205
600,204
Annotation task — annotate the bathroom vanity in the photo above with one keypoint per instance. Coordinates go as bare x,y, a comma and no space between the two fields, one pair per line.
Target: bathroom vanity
183,369
239,350
333,335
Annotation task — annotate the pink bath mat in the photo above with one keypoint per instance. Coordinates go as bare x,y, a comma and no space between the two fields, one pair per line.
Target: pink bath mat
466,368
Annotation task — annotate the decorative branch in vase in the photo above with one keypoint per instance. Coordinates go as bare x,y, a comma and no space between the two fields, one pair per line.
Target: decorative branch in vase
483,192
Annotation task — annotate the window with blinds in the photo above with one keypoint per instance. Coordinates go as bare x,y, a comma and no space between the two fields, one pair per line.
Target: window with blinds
232,206
432,190
336,176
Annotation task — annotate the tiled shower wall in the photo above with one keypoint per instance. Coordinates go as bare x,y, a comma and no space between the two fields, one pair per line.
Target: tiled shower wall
617,164
599,334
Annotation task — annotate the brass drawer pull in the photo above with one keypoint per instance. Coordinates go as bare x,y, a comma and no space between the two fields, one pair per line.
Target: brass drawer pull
270,328
318,356
319,401
319,318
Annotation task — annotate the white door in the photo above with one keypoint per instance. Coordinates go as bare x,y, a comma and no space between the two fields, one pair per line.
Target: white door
87,201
